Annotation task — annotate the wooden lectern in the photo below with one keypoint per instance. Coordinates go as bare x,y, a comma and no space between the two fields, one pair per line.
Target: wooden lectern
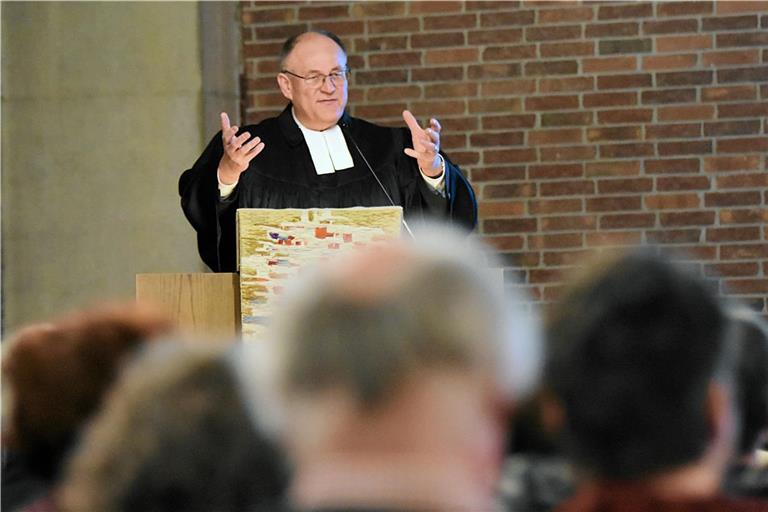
202,304
273,245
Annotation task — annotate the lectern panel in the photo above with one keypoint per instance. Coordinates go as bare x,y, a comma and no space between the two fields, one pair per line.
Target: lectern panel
274,245
203,304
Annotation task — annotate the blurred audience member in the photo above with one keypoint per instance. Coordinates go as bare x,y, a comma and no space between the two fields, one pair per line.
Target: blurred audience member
641,361
55,376
175,436
398,365
747,476
536,476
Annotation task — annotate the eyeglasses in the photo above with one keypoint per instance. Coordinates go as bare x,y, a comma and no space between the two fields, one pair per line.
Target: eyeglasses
318,80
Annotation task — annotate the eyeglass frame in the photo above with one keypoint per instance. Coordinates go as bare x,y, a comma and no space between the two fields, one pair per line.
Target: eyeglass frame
341,73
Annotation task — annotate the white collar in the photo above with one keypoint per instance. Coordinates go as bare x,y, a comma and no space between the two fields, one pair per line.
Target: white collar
327,148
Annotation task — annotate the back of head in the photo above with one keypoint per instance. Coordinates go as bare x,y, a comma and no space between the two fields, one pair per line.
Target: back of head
55,375
362,324
633,347
393,365
175,435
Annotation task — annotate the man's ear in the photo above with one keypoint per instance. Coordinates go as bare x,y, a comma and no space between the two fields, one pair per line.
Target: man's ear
285,86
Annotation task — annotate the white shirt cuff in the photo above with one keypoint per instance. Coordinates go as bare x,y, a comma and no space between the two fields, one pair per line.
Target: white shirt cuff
437,184
224,189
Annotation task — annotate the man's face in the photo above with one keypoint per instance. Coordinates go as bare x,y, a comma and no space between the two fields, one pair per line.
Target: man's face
316,107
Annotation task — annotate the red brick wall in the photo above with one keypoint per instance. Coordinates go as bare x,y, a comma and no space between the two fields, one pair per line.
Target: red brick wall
579,125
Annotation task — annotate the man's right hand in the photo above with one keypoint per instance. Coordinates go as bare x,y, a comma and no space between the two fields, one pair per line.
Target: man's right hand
238,151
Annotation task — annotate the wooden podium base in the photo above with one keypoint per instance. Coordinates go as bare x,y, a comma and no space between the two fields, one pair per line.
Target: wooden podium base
203,304
206,305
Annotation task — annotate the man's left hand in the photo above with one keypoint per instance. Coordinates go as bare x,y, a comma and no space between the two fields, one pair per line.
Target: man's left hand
426,145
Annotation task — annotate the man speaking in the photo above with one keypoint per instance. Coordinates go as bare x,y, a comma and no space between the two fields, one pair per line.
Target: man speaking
314,155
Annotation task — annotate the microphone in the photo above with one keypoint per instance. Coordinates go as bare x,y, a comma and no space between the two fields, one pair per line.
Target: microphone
344,128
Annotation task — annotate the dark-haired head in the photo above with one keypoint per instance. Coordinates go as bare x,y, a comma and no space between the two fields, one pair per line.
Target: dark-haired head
633,348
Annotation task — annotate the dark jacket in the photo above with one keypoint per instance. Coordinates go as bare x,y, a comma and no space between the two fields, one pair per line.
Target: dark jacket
633,497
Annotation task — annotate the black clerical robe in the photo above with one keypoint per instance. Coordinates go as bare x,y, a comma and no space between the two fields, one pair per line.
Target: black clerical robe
283,176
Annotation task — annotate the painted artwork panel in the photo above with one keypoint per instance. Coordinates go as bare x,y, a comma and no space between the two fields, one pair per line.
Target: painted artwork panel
273,246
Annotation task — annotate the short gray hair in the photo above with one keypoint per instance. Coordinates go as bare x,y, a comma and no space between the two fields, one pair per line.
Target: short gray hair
292,41
442,310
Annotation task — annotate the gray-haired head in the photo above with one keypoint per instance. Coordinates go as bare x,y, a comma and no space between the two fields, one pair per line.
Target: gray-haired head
176,434
363,323
291,42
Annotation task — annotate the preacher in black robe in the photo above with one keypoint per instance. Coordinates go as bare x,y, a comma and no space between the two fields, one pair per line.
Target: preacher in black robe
283,176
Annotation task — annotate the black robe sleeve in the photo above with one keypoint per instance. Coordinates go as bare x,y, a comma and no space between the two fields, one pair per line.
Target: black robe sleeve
462,204
212,218
459,206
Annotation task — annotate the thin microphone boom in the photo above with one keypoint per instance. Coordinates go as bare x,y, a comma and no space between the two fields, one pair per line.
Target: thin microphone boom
343,126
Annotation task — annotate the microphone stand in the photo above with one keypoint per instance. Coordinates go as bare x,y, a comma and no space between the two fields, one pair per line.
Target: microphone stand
344,129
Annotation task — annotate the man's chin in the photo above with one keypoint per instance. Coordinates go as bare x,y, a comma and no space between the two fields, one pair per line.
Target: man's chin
333,120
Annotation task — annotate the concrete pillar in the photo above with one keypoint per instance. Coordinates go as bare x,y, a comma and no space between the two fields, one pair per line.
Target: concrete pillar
102,108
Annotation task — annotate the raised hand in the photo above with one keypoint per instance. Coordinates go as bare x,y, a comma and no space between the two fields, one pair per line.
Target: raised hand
238,151
426,145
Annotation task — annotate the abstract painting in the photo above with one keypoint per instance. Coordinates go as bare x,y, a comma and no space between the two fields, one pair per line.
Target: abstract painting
273,245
